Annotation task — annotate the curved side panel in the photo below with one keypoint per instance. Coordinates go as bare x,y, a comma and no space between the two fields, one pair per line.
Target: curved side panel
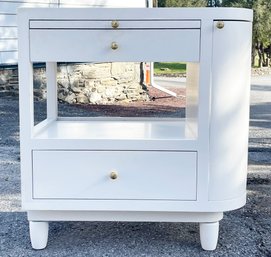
229,110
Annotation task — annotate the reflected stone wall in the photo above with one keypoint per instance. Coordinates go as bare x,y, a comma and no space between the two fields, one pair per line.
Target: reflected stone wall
100,83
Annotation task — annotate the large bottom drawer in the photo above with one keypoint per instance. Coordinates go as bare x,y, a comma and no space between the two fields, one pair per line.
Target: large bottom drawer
116,175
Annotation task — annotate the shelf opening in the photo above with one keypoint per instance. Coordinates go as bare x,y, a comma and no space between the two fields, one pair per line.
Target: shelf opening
131,91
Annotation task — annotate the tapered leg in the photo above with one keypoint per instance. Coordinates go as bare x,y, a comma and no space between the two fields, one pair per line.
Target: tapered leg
209,235
38,234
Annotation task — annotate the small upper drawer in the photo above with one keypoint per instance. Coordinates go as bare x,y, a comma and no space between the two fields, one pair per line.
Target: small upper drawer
133,45
114,24
146,175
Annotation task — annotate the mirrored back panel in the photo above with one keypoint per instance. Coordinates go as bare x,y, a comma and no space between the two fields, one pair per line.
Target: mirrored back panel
123,90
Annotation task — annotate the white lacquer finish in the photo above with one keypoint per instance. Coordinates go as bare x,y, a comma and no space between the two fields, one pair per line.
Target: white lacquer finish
38,234
88,174
115,129
192,99
230,110
54,44
107,24
188,169
201,217
209,235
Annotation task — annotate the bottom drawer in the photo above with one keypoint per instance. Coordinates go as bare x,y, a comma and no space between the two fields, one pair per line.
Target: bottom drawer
146,175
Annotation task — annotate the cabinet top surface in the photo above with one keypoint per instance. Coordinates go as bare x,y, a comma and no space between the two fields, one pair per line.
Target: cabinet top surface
239,14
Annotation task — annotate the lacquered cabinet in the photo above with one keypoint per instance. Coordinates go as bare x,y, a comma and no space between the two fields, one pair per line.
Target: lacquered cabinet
189,169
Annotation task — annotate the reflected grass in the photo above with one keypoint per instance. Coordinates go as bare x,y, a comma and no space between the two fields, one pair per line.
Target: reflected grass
166,68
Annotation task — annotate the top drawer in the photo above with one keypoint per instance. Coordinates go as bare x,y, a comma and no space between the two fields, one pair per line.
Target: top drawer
135,41
114,24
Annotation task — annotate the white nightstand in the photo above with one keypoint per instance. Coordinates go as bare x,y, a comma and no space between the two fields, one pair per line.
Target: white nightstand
114,169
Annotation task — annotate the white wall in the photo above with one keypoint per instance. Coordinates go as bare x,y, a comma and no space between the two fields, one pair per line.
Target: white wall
8,23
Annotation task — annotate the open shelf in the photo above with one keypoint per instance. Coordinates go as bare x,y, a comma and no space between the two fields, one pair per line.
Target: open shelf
114,129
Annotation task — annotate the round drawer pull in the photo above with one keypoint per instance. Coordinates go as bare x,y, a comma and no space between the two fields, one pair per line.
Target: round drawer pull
114,46
220,24
113,175
115,24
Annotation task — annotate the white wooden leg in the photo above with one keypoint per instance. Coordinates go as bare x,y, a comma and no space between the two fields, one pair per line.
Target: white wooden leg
38,234
209,235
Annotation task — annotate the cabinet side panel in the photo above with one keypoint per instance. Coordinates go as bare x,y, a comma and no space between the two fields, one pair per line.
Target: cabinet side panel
229,110
26,107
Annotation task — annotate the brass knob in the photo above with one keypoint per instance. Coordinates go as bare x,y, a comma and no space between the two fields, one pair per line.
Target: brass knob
113,175
115,24
220,24
114,46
